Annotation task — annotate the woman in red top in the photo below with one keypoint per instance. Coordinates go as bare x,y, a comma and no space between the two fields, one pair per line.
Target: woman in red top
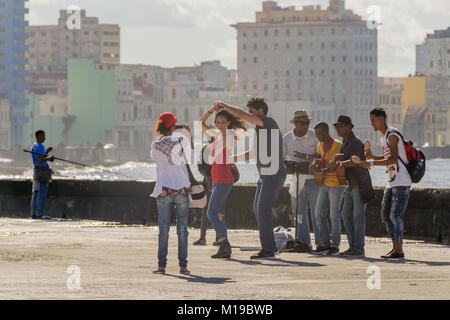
222,176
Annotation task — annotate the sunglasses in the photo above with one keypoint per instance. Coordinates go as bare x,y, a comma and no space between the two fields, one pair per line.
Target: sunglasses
339,126
303,123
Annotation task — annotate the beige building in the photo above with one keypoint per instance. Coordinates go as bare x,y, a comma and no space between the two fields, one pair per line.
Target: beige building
50,46
323,60
140,101
390,98
5,125
425,103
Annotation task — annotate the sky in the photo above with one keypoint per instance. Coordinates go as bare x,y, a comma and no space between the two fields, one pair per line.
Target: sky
172,33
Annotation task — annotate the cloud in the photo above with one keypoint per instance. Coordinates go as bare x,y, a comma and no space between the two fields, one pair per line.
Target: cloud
153,30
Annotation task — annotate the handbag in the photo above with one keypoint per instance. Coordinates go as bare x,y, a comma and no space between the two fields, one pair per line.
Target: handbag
198,194
42,173
235,172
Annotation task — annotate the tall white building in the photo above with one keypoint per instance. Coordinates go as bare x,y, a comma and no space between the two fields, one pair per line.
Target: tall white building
433,55
321,60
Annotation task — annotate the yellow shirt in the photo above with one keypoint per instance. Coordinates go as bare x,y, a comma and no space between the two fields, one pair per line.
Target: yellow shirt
331,178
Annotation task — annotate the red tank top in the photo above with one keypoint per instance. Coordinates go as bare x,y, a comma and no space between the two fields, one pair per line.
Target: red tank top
221,171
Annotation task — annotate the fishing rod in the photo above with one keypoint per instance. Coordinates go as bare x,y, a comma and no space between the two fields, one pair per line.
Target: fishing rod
85,165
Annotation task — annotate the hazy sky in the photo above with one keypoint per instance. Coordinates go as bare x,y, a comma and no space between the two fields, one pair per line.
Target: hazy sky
184,32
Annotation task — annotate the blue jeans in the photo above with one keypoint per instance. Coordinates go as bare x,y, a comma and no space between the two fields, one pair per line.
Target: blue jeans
179,203
38,200
266,197
329,199
354,217
307,199
217,204
393,206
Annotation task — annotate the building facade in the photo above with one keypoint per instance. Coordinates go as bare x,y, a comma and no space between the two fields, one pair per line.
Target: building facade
321,60
390,98
5,125
433,55
50,46
12,65
425,102
92,103
140,101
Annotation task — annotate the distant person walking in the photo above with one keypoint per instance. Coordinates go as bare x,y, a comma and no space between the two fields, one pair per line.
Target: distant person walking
221,172
172,188
41,176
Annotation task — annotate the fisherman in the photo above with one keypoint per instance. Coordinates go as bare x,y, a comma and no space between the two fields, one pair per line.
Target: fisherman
41,176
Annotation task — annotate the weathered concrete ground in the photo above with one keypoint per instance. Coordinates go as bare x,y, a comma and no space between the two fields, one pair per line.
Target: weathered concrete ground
116,262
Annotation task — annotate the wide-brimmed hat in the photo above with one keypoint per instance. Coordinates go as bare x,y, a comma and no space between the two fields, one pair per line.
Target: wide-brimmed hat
344,120
300,114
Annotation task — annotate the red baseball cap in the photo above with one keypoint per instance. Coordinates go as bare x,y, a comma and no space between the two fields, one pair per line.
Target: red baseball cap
168,119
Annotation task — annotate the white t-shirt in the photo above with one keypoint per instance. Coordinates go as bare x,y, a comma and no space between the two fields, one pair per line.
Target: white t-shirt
398,175
171,171
307,145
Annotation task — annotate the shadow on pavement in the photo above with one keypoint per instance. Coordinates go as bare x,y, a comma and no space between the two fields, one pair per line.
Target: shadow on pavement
194,278
284,263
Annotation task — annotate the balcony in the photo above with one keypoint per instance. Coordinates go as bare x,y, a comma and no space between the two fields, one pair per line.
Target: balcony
21,86
20,35
21,73
20,23
20,102
20,60
20,47
20,10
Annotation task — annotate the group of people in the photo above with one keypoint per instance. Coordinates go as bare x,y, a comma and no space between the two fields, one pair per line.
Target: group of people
321,190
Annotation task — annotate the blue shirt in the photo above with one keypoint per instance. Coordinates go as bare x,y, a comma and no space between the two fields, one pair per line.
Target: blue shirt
40,149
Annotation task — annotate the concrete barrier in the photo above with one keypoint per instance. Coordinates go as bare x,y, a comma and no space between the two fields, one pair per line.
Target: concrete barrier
128,202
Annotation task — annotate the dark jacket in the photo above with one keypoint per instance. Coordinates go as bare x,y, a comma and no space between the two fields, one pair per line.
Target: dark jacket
357,176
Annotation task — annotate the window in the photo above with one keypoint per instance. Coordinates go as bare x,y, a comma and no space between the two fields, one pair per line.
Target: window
266,33
255,60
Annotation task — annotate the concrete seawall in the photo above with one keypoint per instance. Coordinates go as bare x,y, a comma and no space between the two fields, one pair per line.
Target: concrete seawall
128,202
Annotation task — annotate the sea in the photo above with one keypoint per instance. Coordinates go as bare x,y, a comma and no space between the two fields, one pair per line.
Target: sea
437,173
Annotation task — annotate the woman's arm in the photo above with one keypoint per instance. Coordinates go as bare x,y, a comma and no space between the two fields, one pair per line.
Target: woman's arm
203,119
239,113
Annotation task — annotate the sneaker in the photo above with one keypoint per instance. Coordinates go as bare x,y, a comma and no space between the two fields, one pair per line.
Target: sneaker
185,271
357,253
216,243
264,255
334,251
160,270
346,253
200,242
45,218
321,250
34,217
394,255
